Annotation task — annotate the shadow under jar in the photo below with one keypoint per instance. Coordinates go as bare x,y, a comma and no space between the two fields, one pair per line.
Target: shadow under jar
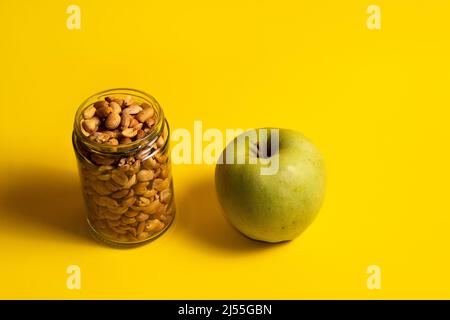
121,140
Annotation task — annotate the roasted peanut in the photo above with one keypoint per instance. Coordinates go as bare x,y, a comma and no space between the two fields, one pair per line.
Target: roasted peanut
125,122
143,202
125,140
150,163
129,132
100,137
103,169
131,213
90,125
128,202
89,112
141,188
160,184
141,227
142,217
145,175
149,193
145,114
113,223
140,134
101,104
112,142
165,196
133,109
106,202
101,160
100,188
154,225
119,177
160,142
103,111
112,216
128,220
119,210
115,107
113,120
131,182
128,101
152,208
120,194
142,235
104,177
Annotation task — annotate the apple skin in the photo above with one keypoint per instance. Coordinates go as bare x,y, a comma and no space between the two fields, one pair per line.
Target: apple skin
279,207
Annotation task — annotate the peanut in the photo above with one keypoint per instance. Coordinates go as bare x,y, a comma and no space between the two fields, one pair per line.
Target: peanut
133,109
115,107
113,223
101,160
125,122
131,182
128,101
119,177
143,235
89,112
145,175
152,207
141,188
143,202
129,132
113,120
160,142
145,114
90,125
149,193
160,184
103,112
104,177
142,217
120,194
128,220
102,169
140,134
105,202
154,225
128,202
131,213
112,142
101,104
119,210
150,122
125,140
165,196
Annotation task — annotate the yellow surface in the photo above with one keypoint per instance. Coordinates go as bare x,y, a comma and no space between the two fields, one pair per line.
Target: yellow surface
374,101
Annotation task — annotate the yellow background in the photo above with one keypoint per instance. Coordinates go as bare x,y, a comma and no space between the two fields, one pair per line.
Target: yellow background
375,102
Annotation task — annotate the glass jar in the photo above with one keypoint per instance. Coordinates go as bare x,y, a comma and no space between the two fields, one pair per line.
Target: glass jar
127,187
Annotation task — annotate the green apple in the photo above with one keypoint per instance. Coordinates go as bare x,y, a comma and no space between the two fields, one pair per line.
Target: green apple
271,207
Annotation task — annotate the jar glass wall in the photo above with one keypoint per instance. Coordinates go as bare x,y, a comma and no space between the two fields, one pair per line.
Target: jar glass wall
127,185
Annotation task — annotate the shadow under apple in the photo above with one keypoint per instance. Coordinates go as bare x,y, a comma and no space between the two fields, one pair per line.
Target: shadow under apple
203,220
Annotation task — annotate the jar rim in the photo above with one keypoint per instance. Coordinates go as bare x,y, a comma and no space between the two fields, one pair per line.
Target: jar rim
149,138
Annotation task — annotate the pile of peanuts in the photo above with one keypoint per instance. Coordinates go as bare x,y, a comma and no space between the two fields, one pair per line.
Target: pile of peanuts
129,196
116,121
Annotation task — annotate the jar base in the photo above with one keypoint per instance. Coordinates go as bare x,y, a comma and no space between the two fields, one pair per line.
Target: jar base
125,245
